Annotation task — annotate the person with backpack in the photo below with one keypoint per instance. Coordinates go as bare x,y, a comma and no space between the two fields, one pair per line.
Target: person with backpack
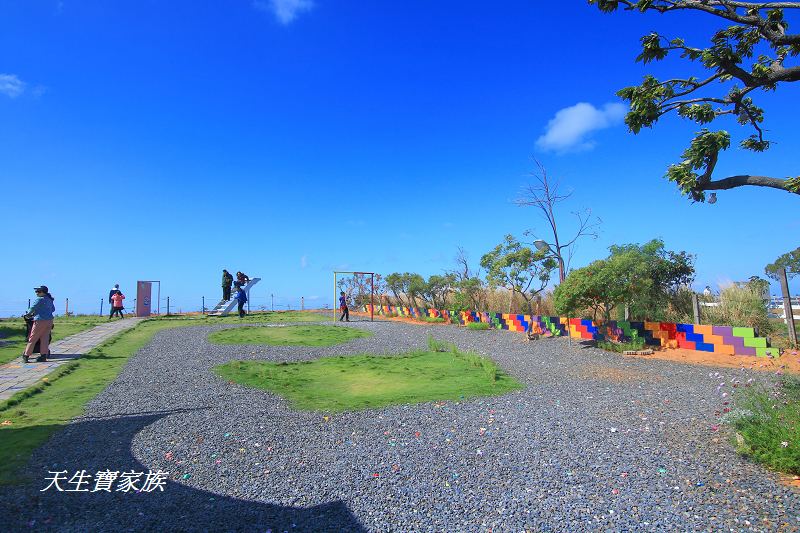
41,311
116,304
227,280
241,297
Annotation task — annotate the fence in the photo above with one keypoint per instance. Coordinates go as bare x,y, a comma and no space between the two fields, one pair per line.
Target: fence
706,338
167,305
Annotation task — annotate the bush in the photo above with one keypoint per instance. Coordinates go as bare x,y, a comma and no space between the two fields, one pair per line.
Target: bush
768,422
740,306
478,325
679,307
619,347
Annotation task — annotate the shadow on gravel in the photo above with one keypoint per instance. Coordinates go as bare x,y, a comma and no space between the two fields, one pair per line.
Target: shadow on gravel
105,444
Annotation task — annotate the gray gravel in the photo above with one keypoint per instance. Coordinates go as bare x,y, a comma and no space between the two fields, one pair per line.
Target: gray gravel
594,442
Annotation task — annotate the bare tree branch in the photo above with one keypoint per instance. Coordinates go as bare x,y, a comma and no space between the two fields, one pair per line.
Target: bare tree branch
544,195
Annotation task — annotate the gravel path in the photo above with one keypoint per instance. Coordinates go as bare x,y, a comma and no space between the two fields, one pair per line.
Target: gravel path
594,442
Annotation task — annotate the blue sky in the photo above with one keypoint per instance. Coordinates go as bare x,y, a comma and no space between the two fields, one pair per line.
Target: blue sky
287,138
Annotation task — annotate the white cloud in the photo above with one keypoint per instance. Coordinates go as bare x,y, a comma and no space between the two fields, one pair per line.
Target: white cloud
569,129
304,261
284,10
11,85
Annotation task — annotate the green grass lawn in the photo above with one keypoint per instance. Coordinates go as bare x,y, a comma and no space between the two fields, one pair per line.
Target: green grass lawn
336,384
12,332
256,317
768,421
288,335
38,412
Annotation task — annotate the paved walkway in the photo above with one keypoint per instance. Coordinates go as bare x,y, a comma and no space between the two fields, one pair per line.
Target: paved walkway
16,375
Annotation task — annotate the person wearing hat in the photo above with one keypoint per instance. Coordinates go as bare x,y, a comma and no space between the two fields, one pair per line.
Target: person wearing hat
41,310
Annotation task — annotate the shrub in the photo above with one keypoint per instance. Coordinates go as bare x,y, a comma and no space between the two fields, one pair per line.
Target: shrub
740,306
768,422
619,347
478,325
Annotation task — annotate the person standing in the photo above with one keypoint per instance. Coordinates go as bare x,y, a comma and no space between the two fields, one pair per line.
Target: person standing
343,308
41,310
114,290
116,304
227,280
241,297
242,278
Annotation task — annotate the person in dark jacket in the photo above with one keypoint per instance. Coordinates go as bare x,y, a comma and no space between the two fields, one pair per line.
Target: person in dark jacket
242,278
114,290
343,308
41,311
227,280
241,297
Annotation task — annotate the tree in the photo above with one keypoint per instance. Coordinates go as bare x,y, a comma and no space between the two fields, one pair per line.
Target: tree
601,286
544,195
469,286
790,261
759,31
643,277
406,287
518,269
358,286
437,288
668,272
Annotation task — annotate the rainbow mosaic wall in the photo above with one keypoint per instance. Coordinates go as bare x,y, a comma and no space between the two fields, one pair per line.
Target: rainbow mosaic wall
705,338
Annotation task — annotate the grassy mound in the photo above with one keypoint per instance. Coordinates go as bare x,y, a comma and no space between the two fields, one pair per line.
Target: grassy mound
365,381
288,335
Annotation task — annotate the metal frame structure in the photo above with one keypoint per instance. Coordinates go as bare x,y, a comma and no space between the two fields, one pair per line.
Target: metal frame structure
371,292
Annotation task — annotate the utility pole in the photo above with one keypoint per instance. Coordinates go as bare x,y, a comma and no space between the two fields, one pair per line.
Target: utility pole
272,296
787,307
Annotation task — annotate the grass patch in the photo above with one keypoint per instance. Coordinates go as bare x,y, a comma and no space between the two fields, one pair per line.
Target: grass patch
256,317
288,335
620,347
12,332
36,413
478,325
768,420
434,319
365,381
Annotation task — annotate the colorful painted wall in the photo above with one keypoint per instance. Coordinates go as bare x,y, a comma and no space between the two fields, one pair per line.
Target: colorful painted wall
717,339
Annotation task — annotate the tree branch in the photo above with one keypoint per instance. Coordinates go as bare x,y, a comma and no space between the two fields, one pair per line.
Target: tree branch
746,179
